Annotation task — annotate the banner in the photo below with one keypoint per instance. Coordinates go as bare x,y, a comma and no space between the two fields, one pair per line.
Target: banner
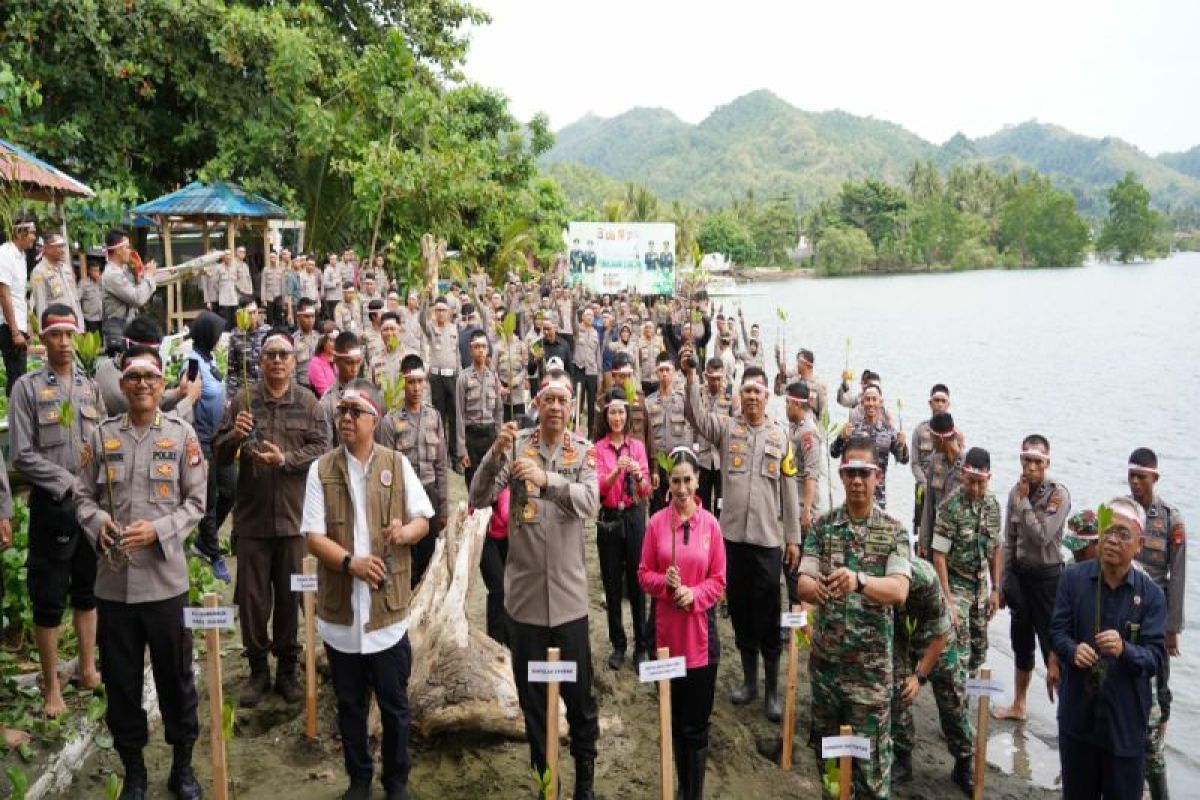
611,257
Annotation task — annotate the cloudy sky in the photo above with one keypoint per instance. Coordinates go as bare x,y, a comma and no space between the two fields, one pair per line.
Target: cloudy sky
1101,68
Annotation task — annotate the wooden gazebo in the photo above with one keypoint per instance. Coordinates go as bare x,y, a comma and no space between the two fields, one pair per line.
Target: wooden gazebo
34,179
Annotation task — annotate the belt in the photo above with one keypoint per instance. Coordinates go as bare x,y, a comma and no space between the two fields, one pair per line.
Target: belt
445,373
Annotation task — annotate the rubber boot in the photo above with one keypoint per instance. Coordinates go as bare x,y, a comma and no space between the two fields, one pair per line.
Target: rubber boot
963,774
682,772
585,779
771,703
256,686
182,783
134,787
1158,787
902,768
748,690
697,762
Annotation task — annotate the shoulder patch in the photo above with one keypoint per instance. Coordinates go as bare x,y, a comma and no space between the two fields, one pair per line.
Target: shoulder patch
1178,536
194,456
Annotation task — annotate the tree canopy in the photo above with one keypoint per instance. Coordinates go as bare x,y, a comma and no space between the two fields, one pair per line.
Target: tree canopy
1132,229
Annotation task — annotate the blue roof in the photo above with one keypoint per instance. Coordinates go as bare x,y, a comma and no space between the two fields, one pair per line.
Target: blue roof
212,200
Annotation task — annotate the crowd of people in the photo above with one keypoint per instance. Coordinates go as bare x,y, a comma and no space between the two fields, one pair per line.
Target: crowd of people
647,414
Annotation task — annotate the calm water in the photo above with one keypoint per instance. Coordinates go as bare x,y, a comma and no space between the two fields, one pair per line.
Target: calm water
1100,360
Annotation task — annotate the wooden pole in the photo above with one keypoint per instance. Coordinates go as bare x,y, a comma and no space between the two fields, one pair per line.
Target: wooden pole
310,654
981,735
789,700
164,226
216,707
666,750
845,768
231,234
552,654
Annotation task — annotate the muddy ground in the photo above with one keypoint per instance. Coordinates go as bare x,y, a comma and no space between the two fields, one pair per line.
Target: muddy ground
270,758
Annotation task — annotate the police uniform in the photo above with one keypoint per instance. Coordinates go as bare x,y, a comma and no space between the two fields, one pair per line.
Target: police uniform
806,444
410,330
306,347
272,283
1032,564
348,316
967,533
586,357
647,352
710,460
442,341
157,474
53,283
245,283
884,442
851,659
669,429
942,476
385,364
124,297
545,578
91,304
509,359
818,393
477,413
419,435
48,456
327,412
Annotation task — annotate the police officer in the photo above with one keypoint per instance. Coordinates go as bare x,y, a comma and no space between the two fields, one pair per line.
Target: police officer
1038,507
53,280
923,447
45,449
441,341
1164,557
386,365
416,431
545,580
274,438
669,427
648,345
510,357
967,555
348,314
817,391
806,445
758,490
139,492
125,291
717,398
856,567
364,585
477,409
305,338
586,356
272,288
943,465
347,364
650,258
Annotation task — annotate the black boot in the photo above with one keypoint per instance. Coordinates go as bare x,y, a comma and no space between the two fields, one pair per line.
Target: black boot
287,685
182,783
697,762
682,773
134,787
1158,787
963,774
748,690
585,779
256,686
771,702
902,768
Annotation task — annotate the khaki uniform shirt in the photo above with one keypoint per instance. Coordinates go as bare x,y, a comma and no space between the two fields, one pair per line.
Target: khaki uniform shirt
443,347
545,578
348,316
123,298
91,300
758,487
385,364
1164,557
476,402
587,351
1033,527
421,437
331,283
647,352
410,330
53,283
306,347
509,360
724,403
158,475
668,426
272,283
245,284
41,449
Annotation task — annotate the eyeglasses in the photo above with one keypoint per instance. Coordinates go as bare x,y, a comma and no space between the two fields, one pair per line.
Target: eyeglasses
276,355
1121,534
148,378
354,412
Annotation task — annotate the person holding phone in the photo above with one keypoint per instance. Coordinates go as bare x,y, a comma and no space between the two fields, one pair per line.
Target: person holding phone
205,331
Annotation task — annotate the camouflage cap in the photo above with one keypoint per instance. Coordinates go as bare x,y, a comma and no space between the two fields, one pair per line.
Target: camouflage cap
1085,530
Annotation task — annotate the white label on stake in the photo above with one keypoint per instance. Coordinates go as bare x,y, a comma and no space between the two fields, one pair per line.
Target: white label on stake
854,746
980,687
553,671
207,618
304,583
663,669
793,619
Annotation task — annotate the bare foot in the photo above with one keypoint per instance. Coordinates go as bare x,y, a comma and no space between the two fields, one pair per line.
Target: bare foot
89,680
14,738
53,705
1012,712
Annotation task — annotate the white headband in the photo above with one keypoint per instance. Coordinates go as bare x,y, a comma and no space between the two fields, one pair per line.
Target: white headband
983,473
759,379
354,353
1035,454
800,401
415,372
858,464
354,396
141,363
281,337
118,245
1142,469
62,324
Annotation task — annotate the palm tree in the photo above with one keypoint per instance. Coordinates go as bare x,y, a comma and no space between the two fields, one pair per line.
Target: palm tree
641,203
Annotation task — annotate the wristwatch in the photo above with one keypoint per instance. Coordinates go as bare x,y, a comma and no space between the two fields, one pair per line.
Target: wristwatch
860,582
922,678
346,564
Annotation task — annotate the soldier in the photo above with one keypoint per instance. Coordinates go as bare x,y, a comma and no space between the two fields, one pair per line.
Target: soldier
347,363
364,563
272,283
586,357
874,425
243,361
139,492
806,445
126,288
669,427
1164,557
966,554
757,491
717,398
943,465
275,433
416,431
386,366
305,338
923,446
45,450
818,400
441,338
1038,507
510,356
856,567
53,280
476,408
546,588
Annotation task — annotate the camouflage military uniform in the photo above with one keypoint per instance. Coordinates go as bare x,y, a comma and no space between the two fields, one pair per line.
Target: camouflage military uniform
968,533
851,661
925,617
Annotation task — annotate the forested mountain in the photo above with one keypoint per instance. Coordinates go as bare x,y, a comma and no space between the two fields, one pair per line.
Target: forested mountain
761,143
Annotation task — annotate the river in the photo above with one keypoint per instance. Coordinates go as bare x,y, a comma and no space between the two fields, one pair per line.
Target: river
1099,359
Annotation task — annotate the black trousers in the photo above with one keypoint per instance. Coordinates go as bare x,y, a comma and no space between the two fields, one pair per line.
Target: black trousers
222,484
264,596
529,643
229,314
386,673
710,490
61,561
14,359
753,591
658,498
1090,773
422,551
692,704
513,410
441,396
619,536
277,313
590,384
327,307
649,387
479,440
1029,593
124,631
491,566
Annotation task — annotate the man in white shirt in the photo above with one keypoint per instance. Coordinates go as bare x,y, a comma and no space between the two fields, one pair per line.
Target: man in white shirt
363,579
14,316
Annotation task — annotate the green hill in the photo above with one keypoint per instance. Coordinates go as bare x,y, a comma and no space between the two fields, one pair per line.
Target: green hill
761,143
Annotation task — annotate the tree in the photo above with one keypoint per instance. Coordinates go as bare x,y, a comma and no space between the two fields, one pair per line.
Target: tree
1131,227
934,232
1042,226
775,228
640,204
721,233
873,206
843,251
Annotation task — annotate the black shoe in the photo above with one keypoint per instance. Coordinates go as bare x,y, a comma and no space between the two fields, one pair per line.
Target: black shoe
771,704
134,785
585,778
639,656
182,782
255,688
288,686
963,774
399,793
748,690
697,762
357,791
617,659
902,768
133,790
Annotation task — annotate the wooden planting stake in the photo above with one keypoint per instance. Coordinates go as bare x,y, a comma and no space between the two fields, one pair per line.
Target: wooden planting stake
552,654
216,707
310,654
981,735
845,768
789,700
666,755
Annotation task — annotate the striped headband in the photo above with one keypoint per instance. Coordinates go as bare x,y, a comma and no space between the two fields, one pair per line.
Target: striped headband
617,402
148,364
355,352
947,435
982,473
800,401
1142,469
858,464
353,397
556,385
281,337
940,396
1038,454
761,380
124,241
415,372
800,357
1119,512
56,323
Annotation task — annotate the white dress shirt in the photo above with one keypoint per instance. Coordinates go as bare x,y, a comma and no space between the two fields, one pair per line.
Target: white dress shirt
14,274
